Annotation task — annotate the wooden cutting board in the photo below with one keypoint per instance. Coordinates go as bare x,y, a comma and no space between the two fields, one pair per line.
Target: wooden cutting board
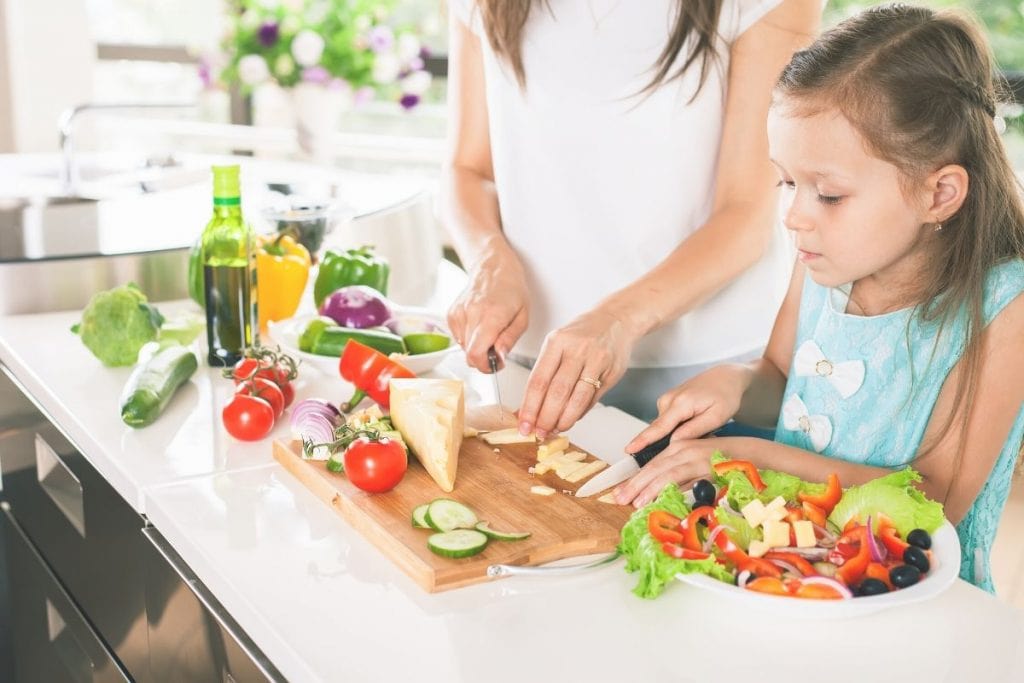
496,485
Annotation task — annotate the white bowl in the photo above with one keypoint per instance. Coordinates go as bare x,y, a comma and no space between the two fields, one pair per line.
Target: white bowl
285,333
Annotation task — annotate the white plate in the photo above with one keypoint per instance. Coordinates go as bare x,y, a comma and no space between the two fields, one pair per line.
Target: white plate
286,333
945,567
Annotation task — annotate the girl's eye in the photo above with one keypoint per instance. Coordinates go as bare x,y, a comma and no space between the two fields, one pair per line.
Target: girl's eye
829,199
787,183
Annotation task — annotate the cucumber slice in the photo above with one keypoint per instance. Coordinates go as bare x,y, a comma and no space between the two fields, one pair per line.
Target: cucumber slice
419,516
501,535
336,463
457,543
444,514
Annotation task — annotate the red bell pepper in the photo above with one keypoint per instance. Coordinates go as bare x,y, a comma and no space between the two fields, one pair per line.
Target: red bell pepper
853,569
743,466
370,372
665,527
759,567
680,553
893,543
878,571
721,494
805,567
689,526
768,584
815,514
827,499
732,552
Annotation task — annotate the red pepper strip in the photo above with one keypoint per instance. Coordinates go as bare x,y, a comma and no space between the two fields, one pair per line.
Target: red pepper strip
794,515
805,567
370,372
760,567
664,527
732,552
721,494
815,514
689,525
853,569
828,499
878,571
681,553
893,543
744,466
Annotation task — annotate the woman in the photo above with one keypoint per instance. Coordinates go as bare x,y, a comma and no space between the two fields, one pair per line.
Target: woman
610,193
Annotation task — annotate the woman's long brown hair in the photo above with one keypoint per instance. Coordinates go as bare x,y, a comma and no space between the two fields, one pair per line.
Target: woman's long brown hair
918,85
505,22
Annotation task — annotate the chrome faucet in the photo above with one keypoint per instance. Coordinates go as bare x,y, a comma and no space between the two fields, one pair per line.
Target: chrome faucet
68,170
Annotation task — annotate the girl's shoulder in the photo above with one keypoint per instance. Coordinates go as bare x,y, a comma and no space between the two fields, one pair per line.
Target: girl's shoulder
1003,283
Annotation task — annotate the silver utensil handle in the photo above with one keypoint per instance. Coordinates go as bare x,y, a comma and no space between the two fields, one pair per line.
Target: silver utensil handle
496,570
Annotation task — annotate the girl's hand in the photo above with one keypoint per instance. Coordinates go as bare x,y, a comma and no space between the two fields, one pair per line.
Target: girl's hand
492,310
595,346
696,407
684,462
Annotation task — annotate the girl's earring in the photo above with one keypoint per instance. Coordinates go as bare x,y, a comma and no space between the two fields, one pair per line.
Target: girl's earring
938,226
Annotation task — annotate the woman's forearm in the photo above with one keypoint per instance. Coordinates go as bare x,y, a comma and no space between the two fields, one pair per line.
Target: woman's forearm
470,212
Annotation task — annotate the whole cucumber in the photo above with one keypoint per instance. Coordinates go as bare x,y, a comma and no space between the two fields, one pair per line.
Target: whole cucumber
153,383
331,341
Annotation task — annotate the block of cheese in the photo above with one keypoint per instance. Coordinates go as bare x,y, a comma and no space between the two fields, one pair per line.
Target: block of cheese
776,534
429,413
804,532
754,512
549,448
757,548
507,436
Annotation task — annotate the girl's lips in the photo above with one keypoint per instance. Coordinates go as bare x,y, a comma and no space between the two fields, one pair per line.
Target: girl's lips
806,256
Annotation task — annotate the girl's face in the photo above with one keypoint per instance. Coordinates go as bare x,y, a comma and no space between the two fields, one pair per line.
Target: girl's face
847,212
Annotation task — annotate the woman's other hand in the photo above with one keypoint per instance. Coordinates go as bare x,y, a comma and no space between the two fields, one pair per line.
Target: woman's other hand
493,309
684,462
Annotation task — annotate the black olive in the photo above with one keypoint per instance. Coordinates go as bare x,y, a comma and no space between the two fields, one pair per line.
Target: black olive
904,575
704,493
916,557
872,587
920,538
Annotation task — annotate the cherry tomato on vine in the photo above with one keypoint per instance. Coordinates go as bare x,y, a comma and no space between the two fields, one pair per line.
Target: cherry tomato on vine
375,465
267,390
268,364
248,418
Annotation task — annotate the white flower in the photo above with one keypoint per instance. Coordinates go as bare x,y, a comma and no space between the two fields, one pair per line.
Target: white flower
416,83
386,67
408,47
284,66
293,5
316,13
252,69
362,22
290,25
250,20
307,47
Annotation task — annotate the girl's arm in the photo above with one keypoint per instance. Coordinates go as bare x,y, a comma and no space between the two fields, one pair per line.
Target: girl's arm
598,343
492,311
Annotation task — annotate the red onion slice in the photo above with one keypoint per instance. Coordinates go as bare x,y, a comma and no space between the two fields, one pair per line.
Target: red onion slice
787,567
709,543
826,539
742,578
873,547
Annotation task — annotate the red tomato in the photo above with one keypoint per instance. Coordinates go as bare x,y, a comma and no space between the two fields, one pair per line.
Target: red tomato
265,389
250,367
375,466
248,418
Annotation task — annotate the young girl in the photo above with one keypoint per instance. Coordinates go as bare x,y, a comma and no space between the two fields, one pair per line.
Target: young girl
899,342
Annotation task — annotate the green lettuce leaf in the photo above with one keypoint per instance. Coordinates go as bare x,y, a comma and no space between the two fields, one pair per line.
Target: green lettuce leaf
644,554
741,491
737,527
895,496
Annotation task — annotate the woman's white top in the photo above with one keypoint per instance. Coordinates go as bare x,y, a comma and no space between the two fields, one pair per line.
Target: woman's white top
597,185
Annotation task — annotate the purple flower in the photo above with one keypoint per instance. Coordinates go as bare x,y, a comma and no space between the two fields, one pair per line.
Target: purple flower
205,72
381,38
409,101
363,95
415,64
424,52
315,74
268,33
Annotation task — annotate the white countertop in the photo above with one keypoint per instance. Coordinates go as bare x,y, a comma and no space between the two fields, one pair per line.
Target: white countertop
324,605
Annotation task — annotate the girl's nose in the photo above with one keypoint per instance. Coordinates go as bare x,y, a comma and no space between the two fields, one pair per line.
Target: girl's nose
795,219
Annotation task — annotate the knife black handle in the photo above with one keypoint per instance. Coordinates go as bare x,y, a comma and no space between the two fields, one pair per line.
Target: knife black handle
647,453
492,359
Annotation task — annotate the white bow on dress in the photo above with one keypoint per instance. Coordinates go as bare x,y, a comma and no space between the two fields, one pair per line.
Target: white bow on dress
796,416
846,376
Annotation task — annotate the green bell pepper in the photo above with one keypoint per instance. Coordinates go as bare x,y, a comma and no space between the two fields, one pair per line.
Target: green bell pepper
350,267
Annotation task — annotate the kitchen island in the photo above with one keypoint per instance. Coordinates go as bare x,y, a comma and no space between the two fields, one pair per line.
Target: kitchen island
312,600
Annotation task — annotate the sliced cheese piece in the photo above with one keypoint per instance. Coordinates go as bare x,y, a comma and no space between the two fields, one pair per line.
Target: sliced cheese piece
586,471
544,467
775,514
542,490
777,503
776,534
565,469
549,448
757,548
804,532
470,432
507,436
754,512
607,498
430,414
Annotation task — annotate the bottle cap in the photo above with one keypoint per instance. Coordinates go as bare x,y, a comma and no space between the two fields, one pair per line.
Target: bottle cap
225,182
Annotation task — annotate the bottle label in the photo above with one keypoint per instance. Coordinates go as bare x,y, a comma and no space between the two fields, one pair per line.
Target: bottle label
227,201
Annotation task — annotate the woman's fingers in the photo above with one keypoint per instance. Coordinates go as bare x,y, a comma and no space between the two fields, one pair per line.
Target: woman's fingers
675,463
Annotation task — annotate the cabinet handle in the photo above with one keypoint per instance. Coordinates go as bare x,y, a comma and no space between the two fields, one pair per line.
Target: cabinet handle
60,484
211,604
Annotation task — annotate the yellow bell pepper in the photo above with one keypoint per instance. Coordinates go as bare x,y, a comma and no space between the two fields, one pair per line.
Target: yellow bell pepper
282,269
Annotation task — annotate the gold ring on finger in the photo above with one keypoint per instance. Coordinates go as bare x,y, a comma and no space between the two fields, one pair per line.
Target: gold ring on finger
596,383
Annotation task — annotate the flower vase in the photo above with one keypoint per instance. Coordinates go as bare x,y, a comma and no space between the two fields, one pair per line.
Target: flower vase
318,109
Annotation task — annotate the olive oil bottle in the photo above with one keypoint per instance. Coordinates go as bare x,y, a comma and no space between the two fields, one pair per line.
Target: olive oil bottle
229,273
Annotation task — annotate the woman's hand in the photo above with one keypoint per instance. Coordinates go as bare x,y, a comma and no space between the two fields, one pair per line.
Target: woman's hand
697,407
492,310
577,365
684,462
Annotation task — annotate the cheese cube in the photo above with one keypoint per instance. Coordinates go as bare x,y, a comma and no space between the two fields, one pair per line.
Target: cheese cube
804,532
549,448
775,514
754,512
776,534
777,503
542,490
757,548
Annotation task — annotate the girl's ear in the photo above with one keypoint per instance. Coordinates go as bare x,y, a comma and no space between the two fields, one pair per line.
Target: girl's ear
948,189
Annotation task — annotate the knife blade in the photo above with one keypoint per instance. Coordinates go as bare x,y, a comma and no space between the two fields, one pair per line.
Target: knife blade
492,361
623,469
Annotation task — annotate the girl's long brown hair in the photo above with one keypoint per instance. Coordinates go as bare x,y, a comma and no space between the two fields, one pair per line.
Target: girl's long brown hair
505,22
919,87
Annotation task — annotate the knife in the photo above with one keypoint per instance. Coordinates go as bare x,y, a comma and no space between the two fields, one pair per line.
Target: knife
492,360
623,469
